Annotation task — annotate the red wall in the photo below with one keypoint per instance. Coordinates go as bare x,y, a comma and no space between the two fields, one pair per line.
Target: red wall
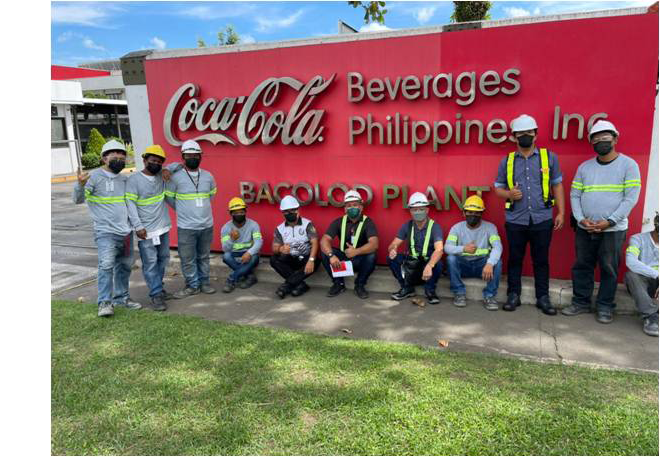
584,66
58,72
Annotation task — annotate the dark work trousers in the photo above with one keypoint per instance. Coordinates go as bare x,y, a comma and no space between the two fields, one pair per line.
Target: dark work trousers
363,266
539,237
642,289
603,249
292,268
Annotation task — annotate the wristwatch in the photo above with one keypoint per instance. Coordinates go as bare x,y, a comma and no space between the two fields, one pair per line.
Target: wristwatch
611,222
311,259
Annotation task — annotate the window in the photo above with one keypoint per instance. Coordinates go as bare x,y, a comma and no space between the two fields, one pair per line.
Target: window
58,132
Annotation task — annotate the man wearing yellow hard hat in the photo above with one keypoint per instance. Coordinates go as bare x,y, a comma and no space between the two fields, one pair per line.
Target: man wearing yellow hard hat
241,243
148,214
474,250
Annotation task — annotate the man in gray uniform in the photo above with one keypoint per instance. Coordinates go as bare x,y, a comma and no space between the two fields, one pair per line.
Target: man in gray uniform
104,190
189,192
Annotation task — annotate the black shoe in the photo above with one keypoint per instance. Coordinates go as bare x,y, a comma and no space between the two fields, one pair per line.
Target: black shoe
512,302
403,293
574,309
604,316
544,305
300,289
167,295
432,297
248,282
361,292
283,290
336,289
158,302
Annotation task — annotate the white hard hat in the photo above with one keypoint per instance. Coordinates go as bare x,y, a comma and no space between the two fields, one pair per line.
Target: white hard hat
418,200
352,196
289,202
603,126
113,145
522,123
190,147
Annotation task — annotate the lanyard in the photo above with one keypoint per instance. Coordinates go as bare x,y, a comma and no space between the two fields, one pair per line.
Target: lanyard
196,184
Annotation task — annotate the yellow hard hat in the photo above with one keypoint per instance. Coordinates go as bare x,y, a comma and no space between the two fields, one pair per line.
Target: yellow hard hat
154,149
474,203
236,203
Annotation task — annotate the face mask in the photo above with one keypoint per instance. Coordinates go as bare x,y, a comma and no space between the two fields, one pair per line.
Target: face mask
116,165
472,220
603,147
291,217
419,216
154,168
193,163
239,218
525,141
655,224
353,213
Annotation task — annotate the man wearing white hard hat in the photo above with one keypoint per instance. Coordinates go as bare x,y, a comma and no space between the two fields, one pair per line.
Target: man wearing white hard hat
189,192
529,179
358,242
104,189
603,192
295,249
421,263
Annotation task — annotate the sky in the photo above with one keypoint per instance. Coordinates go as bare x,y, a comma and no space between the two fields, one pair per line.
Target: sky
88,31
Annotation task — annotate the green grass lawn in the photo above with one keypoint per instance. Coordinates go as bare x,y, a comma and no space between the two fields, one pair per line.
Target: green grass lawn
148,383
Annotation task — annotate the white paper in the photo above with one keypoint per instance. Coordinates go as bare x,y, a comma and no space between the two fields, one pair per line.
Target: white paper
346,270
354,241
198,202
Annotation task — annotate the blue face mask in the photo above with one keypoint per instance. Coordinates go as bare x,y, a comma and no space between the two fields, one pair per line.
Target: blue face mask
353,213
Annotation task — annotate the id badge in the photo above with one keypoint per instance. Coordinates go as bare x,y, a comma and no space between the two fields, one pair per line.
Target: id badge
156,240
354,241
199,203
109,186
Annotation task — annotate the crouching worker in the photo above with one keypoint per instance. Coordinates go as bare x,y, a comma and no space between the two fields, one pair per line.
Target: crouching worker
295,245
421,264
241,243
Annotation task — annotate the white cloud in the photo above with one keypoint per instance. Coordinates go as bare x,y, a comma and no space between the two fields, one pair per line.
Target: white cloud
89,44
583,6
66,36
158,43
215,11
266,24
423,15
374,27
94,15
247,39
514,12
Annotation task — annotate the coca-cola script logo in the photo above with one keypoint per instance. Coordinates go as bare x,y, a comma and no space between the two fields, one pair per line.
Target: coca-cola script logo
300,125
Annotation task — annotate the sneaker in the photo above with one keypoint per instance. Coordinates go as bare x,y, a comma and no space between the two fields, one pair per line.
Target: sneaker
129,304
460,301
158,302
167,295
207,289
283,290
604,316
229,286
361,292
403,293
491,304
249,281
187,292
574,310
431,297
512,302
336,289
105,309
300,289
651,325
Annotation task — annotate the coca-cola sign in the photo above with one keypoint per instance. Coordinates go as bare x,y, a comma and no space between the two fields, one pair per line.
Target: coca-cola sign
300,125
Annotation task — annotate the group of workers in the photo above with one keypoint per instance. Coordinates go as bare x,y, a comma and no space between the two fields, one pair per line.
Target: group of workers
529,180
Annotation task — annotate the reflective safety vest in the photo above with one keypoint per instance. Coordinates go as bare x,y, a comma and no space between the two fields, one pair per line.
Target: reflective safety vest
548,199
356,237
427,239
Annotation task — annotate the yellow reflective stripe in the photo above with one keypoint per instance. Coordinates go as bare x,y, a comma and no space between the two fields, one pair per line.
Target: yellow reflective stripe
577,185
225,238
452,238
256,235
478,252
633,249
213,191
545,174
509,169
169,193
106,200
342,238
427,239
130,196
151,200
655,267
192,196
240,246
632,180
494,238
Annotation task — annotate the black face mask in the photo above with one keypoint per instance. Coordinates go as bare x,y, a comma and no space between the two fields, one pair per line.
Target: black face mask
603,148
525,141
116,165
291,217
239,218
472,220
154,168
193,163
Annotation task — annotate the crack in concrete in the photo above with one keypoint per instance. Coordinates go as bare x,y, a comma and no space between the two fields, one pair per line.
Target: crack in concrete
554,339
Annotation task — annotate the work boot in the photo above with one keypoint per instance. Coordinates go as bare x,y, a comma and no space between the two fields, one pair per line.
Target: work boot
336,289
651,325
207,289
574,310
249,281
158,302
544,305
361,292
167,295
491,304
512,302
300,289
283,290
105,310
604,316
229,286
459,301
431,297
403,293
187,292
128,304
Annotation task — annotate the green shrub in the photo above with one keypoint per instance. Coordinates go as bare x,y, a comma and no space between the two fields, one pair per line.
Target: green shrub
90,160
95,143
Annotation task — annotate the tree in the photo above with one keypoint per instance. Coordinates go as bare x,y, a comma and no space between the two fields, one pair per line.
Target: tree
92,156
228,36
201,43
471,11
372,11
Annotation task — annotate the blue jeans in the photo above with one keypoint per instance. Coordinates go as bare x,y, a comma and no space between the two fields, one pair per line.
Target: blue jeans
412,278
195,252
240,269
363,266
459,267
115,254
154,260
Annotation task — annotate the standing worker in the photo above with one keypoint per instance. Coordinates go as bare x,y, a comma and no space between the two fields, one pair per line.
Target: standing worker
529,179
